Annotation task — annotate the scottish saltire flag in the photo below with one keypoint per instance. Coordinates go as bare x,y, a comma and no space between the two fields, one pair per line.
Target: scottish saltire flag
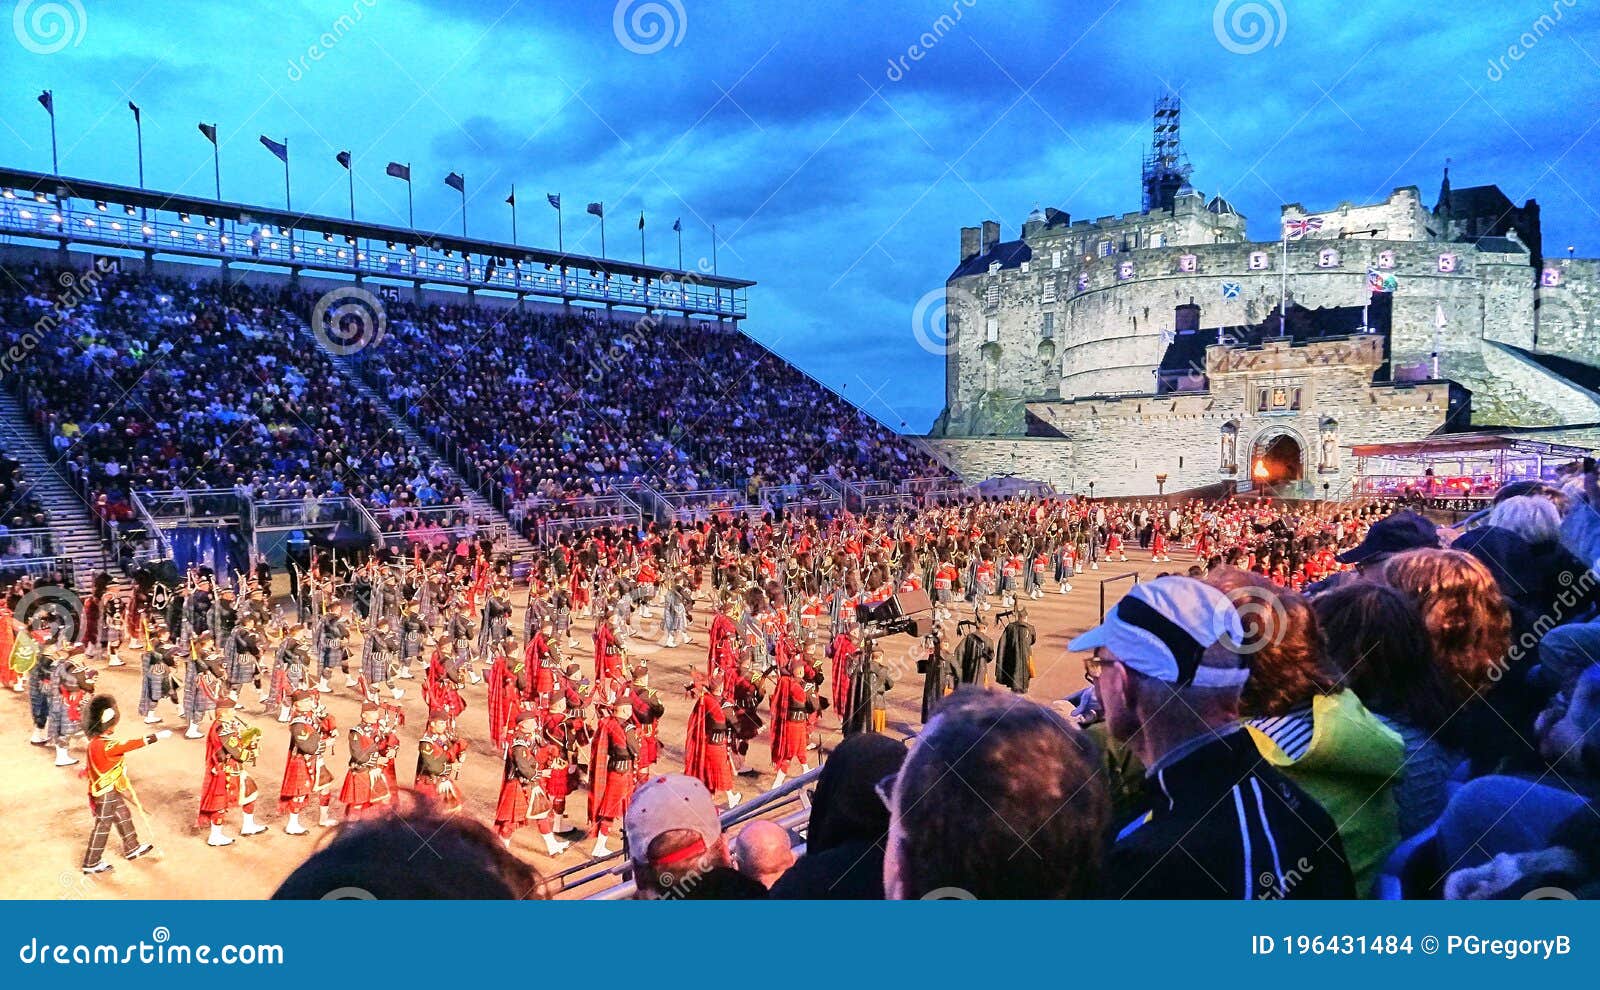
1231,290
279,148
1298,228
343,158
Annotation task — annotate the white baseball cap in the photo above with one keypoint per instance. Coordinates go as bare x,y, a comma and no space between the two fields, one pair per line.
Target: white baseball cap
667,803
1162,628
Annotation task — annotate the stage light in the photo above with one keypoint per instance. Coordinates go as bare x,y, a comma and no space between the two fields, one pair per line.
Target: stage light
411,249
199,237
326,236
183,218
115,225
1260,470
8,194
100,205
349,240
55,218
147,230
211,221
39,197
25,214
129,210
389,245
283,231
88,221
321,252
341,252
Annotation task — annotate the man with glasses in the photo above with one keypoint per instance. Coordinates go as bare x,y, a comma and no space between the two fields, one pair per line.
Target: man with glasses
1220,822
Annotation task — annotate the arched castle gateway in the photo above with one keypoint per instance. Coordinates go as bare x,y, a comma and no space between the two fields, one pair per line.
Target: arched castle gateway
1125,347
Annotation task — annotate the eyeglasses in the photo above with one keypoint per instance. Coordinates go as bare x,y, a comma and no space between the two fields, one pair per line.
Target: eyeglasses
1092,666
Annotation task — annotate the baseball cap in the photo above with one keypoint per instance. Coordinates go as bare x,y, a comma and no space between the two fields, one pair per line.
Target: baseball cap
1395,533
1162,629
667,803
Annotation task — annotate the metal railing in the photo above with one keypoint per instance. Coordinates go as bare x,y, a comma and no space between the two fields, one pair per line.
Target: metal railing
693,507
813,497
1134,575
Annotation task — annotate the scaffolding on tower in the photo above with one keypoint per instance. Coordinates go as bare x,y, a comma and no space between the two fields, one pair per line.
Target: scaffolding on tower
1166,167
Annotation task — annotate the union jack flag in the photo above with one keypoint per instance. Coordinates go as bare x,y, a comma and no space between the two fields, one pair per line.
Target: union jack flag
1300,228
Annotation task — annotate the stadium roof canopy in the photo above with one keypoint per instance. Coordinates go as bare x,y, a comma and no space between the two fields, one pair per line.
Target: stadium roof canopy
82,212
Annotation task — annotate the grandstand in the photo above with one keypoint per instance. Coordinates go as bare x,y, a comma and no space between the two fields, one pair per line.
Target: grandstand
176,362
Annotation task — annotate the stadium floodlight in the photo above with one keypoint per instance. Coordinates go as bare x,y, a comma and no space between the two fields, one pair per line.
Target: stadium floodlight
129,210
211,221
25,214
411,248
147,230
39,197
55,218
88,221
115,225
8,194
327,236
341,253
183,218
100,205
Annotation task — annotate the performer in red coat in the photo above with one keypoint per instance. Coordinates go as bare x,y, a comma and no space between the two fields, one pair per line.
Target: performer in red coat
364,782
791,715
843,652
569,733
110,792
440,753
647,712
530,764
229,748
705,750
614,762
305,773
503,698
723,652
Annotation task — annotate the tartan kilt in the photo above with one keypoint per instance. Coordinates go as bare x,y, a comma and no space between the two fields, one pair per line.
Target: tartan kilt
297,781
615,794
364,787
716,770
789,741
220,794
559,783
375,667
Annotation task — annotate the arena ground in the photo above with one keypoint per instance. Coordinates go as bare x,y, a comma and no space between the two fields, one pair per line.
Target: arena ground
46,811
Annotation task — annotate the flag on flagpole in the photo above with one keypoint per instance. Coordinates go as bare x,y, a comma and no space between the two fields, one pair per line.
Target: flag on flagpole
1298,228
641,219
279,148
343,158
455,181
511,200
598,209
47,100
210,131
678,225
554,199
399,171
135,108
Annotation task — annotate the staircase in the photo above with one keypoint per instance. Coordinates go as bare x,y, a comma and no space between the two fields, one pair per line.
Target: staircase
476,502
73,527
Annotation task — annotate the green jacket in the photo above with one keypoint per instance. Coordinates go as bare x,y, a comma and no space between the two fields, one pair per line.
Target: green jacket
1351,768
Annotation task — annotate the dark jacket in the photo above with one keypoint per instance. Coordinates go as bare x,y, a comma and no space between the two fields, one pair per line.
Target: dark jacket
1222,824
849,825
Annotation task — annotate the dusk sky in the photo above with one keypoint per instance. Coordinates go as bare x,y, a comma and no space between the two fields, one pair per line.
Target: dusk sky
838,147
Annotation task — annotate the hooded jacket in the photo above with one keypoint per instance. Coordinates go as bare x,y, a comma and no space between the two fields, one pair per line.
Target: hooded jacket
849,825
1350,768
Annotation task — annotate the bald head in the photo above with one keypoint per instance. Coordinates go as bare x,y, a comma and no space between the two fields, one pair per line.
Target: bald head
762,851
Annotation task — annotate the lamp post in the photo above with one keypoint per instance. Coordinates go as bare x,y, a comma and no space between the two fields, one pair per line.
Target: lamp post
1161,484
1091,489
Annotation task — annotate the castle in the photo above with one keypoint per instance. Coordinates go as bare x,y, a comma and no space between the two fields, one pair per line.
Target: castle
1165,344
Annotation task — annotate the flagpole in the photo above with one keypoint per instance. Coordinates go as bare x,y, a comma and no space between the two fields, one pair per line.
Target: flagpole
463,206
560,244
680,245
138,138
288,201
513,213
713,249
1283,290
55,163
602,230
641,239
350,173
411,213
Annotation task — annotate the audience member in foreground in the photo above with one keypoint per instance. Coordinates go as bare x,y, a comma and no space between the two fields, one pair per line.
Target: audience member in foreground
999,798
1222,823
849,825
677,847
1309,725
444,857
763,851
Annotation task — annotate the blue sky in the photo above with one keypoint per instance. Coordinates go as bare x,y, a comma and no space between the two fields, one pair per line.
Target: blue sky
837,162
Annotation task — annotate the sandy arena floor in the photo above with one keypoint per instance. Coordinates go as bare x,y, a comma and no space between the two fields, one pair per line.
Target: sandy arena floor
45,812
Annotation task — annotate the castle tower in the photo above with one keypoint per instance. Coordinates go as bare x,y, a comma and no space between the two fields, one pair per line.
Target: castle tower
1166,167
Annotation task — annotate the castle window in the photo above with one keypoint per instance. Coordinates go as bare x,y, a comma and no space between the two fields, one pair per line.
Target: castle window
1048,329
1025,265
1105,249
991,295
1258,261
1050,290
1158,240
991,330
1055,259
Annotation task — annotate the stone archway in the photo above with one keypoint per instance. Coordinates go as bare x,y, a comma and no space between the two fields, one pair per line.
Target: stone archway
1278,456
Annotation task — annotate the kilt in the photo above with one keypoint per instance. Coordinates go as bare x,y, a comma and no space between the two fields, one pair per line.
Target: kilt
375,667
716,771
445,798
297,784
615,794
220,795
60,722
789,739
364,787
